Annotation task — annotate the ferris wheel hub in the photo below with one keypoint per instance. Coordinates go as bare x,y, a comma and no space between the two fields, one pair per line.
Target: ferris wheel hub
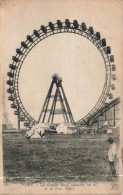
56,77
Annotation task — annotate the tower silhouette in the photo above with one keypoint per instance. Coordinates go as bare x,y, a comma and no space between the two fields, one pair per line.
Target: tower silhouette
5,114
60,96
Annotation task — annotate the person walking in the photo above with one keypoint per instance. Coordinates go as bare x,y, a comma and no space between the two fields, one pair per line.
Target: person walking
112,155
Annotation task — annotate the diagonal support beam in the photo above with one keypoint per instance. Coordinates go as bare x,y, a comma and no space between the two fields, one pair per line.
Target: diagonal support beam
45,106
68,107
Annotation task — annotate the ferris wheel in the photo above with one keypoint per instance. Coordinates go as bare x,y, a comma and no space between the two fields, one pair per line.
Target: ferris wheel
43,33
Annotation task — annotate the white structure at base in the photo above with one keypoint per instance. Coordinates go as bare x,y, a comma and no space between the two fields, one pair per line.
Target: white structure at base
66,128
37,130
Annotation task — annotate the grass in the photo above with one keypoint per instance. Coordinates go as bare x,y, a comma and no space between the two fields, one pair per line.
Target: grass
56,158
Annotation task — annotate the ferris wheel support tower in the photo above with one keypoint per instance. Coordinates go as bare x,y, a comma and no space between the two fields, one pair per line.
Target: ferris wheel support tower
58,96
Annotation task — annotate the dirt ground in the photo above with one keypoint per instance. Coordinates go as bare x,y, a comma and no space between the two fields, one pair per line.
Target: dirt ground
56,158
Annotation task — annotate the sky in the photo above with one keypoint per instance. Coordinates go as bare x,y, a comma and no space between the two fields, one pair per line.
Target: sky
76,60
73,57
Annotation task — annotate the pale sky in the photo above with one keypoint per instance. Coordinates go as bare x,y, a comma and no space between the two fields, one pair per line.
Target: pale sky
76,59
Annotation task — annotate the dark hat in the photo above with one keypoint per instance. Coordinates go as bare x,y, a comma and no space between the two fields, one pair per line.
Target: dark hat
110,140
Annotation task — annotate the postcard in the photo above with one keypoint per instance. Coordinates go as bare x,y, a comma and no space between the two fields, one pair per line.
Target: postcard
61,97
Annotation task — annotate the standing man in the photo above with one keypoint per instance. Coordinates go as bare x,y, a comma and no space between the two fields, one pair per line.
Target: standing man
112,155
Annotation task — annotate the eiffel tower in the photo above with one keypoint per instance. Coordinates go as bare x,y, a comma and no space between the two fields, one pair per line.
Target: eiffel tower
58,96
5,117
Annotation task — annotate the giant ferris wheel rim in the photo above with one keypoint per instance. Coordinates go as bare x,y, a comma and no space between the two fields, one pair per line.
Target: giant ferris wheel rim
37,37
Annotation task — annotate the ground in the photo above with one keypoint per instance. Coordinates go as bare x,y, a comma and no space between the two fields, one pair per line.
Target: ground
56,158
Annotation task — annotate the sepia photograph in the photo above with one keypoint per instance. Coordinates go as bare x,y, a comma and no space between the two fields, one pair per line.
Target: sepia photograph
61,97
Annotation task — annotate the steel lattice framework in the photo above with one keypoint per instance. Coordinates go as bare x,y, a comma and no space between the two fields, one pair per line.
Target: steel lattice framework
43,33
58,97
